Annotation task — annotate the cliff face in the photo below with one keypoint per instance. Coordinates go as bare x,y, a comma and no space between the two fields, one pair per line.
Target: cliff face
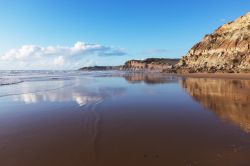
225,50
228,99
101,68
151,64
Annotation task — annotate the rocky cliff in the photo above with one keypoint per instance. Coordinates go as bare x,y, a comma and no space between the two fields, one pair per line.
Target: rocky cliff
151,64
101,68
225,50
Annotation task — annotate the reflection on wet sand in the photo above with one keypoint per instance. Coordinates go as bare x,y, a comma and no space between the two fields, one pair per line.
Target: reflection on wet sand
80,130
82,98
90,127
114,122
149,78
228,99
89,118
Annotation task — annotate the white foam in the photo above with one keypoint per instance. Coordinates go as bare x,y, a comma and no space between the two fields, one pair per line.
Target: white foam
15,77
9,77
9,81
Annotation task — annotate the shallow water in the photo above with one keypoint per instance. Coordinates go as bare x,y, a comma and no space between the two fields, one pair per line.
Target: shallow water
124,119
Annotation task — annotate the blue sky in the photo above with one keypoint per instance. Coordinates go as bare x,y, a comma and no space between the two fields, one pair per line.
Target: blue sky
67,34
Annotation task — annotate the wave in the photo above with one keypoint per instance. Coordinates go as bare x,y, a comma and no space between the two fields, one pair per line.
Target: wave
15,77
9,81
10,77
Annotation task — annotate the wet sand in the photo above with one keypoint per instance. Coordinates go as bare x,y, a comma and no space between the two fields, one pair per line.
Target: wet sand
131,120
239,76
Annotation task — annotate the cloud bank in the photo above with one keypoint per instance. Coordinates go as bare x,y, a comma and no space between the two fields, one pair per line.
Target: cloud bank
78,55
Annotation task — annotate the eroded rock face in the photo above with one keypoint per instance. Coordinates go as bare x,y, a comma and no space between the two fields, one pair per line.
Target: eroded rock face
101,68
228,99
151,64
225,50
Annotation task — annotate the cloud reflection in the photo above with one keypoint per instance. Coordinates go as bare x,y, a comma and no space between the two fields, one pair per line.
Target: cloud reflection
82,97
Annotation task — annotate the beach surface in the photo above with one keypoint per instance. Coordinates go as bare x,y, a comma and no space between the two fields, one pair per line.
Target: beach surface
239,76
116,118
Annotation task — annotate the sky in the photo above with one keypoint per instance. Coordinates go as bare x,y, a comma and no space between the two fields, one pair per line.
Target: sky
69,34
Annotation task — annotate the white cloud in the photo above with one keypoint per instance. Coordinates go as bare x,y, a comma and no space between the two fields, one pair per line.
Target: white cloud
21,53
59,61
33,55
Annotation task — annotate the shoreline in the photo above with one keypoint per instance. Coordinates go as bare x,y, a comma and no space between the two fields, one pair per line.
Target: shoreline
237,76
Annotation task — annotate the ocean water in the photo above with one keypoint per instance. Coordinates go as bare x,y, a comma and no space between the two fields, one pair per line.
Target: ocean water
118,118
8,77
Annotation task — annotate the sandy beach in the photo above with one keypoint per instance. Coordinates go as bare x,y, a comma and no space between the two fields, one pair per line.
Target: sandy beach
133,119
238,76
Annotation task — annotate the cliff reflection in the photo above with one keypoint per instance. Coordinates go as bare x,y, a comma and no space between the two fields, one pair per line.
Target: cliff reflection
149,78
228,99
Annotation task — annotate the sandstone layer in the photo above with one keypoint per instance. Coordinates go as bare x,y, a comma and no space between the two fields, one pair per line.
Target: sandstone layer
101,68
151,64
225,50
